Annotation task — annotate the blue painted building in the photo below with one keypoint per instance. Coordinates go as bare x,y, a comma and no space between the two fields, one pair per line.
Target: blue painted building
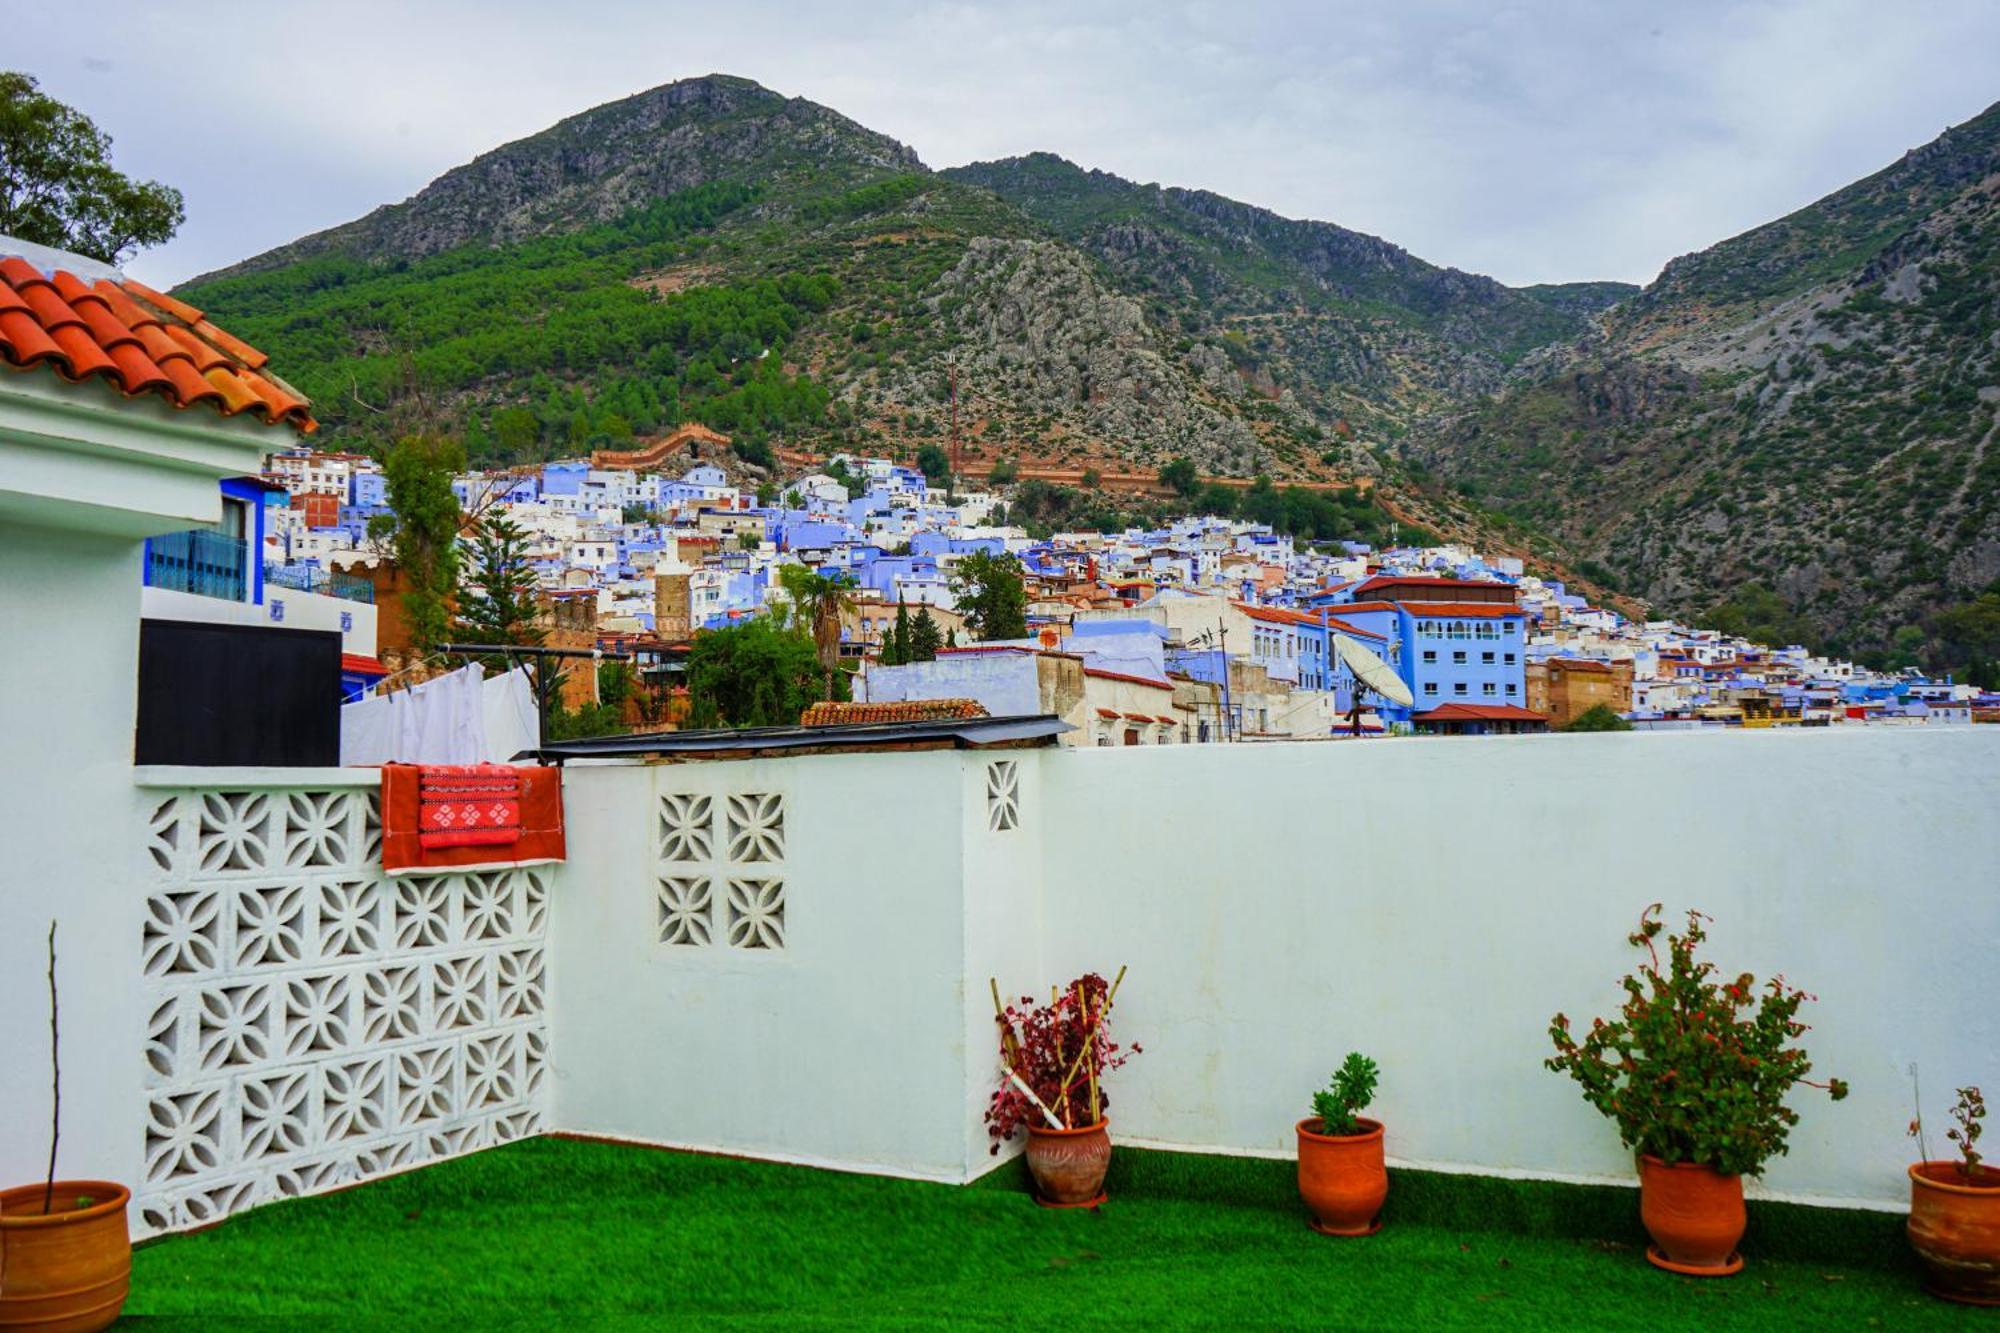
564,478
1453,641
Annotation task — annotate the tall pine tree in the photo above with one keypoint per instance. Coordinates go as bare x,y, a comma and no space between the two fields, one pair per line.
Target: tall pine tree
924,638
500,603
896,644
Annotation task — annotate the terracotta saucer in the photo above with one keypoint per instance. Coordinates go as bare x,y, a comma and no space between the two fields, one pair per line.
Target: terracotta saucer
1373,1227
1087,1203
1658,1260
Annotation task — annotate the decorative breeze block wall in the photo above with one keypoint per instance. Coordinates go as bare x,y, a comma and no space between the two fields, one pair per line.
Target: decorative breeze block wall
312,1023
1003,796
720,881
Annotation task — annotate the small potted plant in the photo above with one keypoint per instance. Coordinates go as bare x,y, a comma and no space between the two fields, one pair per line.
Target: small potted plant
65,1252
1053,1061
1341,1175
1694,1072
1955,1211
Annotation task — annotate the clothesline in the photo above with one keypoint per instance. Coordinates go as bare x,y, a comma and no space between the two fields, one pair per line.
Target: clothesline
458,718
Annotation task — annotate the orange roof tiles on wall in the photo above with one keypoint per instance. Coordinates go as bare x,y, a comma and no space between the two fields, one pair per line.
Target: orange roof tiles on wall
137,340
836,713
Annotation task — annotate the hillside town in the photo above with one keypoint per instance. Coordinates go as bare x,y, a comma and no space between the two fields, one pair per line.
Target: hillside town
575,722
1201,631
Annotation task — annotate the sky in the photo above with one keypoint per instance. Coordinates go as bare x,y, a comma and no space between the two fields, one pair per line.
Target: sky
1552,141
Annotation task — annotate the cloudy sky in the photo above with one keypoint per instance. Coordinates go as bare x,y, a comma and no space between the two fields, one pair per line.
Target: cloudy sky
1544,141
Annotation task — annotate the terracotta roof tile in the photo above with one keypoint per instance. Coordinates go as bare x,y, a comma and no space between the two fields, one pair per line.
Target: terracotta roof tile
81,350
908,710
1456,712
139,341
1462,610
177,308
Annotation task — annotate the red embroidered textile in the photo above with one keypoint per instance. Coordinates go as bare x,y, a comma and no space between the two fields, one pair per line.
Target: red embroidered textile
537,821
468,805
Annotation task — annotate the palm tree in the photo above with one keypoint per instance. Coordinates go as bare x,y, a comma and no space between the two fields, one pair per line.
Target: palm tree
818,602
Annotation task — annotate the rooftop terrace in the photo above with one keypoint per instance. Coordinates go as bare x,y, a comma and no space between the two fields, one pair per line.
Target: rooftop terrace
590,1232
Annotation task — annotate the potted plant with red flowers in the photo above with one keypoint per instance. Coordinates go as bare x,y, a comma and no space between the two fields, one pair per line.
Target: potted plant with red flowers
1694,1072
65,1252
1341,1174
1955,1211
1053,1061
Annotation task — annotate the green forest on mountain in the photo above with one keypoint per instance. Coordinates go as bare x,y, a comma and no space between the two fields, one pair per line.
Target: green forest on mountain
593,358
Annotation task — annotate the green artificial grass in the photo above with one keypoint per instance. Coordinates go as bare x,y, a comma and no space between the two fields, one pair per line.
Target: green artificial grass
560,1231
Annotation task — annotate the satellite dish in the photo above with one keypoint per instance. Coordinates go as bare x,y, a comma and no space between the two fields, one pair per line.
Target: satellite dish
1372,672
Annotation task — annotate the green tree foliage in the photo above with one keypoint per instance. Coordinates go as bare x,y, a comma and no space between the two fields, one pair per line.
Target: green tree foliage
1598,717
1968,637
1004,472
57,184
896,643
754,674
925,637
499,601
852,482
935,464
992,595
614,682
419,470
1181,475
1216,501
1261,503
1760,615
818,601
598,719
553,329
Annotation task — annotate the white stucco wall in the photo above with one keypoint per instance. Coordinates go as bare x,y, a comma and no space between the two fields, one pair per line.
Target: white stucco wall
70,603
1005,684
845,1046
1434,902
300,610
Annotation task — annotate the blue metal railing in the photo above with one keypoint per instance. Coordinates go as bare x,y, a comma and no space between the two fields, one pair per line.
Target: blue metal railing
310,578
201,561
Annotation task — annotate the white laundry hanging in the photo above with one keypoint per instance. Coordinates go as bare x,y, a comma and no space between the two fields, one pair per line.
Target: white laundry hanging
441,721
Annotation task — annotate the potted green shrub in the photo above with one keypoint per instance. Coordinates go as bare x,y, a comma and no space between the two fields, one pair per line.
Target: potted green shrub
1694,1072
65,1252
1342,1177
1053,1061
1955,1211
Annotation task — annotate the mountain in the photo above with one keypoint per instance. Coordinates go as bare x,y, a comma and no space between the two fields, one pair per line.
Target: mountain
1358,329
714,250
1808,411
1799,420
601,164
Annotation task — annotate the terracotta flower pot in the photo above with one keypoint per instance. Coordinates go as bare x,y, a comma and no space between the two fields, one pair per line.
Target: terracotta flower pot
1695,1216
1955,1228
1342,1178
65,1271
1069,1164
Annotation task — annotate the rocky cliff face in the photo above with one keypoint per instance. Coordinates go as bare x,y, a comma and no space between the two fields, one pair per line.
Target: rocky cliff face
1812,406
1127,323
1031,322
605,162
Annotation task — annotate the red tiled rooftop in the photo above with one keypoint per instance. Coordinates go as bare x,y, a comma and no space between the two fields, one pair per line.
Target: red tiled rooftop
1425,580
1432,610
834,714
1480,713
137,340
